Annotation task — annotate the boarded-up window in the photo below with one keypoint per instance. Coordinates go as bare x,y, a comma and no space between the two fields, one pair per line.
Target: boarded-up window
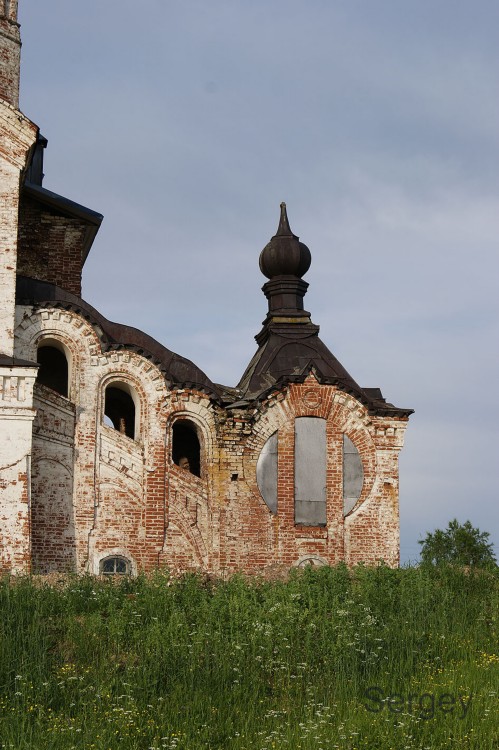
266,472
310,471
353,475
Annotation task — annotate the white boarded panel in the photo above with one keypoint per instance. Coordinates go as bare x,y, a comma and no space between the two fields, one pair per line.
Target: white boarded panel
266,472
353,475
310,471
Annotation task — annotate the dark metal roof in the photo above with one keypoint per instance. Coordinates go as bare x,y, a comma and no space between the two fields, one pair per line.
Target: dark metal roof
178,371
290,353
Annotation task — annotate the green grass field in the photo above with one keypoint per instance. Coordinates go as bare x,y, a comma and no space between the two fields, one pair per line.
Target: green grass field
377,658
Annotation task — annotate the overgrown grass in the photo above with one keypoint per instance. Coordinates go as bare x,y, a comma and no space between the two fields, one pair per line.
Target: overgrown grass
252,665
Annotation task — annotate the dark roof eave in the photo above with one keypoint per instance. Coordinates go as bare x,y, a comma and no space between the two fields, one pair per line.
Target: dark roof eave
68,208
382,409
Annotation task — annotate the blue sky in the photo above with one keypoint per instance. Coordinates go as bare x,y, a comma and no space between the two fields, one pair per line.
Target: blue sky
186,123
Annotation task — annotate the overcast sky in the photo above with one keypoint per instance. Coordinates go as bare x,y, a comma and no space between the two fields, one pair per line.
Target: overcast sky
186,122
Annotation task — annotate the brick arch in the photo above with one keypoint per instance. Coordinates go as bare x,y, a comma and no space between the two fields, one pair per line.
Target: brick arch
134,364
54,321
72,352
45,321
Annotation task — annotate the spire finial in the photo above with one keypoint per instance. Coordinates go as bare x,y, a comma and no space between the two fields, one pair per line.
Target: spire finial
284,228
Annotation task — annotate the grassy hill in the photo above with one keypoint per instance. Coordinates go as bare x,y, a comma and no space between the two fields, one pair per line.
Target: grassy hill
376,658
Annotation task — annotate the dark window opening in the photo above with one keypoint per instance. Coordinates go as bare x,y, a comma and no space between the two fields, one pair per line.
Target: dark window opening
115,566
186,450
120,409
53,370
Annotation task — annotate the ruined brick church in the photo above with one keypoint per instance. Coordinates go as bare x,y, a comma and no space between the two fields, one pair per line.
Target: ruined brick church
118,455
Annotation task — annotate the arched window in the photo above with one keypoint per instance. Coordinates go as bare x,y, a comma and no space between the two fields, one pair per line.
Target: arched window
119,408
53,371
115,565
186,449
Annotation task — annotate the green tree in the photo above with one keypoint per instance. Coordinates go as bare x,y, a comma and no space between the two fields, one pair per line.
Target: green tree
460,544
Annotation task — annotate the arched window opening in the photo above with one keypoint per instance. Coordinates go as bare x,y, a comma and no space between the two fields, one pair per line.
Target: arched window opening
186,450
119,408
53,371
115,565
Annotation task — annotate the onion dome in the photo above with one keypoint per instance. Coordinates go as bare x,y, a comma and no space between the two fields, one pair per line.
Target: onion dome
289,347
285,255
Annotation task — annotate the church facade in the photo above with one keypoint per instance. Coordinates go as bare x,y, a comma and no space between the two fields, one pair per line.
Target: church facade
120,456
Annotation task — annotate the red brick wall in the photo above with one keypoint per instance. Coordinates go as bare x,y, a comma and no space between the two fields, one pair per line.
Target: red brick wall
50,246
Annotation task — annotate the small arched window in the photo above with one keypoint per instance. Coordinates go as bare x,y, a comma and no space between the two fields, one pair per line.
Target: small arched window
115,565
53,371
119,408
186,449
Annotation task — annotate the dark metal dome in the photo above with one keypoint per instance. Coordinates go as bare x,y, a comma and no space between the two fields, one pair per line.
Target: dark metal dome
285,255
